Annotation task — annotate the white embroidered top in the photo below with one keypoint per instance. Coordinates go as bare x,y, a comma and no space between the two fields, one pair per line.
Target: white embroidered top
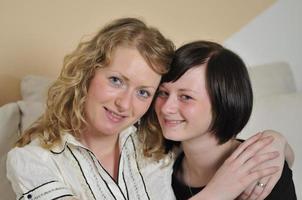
72,170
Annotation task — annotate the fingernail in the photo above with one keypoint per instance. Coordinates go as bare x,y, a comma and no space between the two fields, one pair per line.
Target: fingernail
269,138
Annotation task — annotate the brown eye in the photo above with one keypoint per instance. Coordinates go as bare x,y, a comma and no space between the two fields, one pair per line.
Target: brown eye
185,97
162,94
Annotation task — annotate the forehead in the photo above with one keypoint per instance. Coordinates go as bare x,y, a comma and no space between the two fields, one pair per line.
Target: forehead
128,62
193,79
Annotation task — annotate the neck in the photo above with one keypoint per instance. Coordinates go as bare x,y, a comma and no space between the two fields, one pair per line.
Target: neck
100,144
105,148
203,157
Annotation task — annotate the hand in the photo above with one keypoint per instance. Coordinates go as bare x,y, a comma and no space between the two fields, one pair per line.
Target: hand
255,190
237,172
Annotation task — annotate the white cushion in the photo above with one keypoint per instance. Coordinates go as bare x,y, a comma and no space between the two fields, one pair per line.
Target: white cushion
34,88
30,112
34,93
282,113
9,125
273,78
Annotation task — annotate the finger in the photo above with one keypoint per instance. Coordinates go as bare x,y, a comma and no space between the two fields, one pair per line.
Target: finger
247,192
271,184
258,174
267,189
245,144
251,192
258,189
243,196
257,160
251,150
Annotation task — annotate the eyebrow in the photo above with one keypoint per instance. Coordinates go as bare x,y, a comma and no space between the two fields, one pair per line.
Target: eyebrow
182,89
187,90
128,80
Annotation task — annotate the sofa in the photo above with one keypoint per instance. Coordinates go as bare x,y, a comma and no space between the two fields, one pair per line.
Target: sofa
278,106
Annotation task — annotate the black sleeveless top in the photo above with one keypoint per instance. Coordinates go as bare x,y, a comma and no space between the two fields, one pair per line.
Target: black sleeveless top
283,190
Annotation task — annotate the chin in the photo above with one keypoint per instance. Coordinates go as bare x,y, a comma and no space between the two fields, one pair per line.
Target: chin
172,137
109,130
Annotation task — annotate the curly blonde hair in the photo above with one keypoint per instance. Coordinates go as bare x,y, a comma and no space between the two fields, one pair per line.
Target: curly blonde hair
150,134
66,97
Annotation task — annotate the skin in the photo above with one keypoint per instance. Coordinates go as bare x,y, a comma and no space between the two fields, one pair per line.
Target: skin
118,95
180,103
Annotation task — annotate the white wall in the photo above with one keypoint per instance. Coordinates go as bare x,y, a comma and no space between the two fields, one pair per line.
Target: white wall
274,35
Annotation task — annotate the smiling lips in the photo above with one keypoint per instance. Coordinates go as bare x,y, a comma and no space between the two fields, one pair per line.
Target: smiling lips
170,122
113,116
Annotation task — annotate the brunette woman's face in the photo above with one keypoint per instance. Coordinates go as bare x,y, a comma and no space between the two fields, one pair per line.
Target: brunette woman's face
119,94
183,107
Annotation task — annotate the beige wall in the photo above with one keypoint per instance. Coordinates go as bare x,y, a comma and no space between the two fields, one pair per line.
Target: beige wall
36,34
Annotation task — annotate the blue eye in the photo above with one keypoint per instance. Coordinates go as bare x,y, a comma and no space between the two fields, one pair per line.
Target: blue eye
115,81
143,94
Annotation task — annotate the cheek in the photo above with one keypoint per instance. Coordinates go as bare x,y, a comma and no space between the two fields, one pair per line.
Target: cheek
208,109
194,111
159,102
105,93
202,112
188,111
98,90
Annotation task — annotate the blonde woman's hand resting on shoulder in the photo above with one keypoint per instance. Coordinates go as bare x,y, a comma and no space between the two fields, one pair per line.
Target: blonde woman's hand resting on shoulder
261,188
239,170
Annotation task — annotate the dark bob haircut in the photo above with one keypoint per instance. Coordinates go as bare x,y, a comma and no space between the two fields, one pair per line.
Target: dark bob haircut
227,82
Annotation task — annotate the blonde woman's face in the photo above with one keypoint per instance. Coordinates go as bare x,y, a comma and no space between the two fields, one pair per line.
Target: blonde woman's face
120,93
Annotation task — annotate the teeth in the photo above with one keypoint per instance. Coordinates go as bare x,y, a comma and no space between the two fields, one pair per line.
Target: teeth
115,115
174,121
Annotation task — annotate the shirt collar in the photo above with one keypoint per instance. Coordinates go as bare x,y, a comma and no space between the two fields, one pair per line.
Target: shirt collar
125,134
67,138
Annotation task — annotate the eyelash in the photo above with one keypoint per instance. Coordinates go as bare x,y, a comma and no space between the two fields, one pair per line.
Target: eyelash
147,94
185,97
163,94
115,81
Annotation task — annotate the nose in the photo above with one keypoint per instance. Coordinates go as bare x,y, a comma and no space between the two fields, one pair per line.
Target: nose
170,105
124,101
